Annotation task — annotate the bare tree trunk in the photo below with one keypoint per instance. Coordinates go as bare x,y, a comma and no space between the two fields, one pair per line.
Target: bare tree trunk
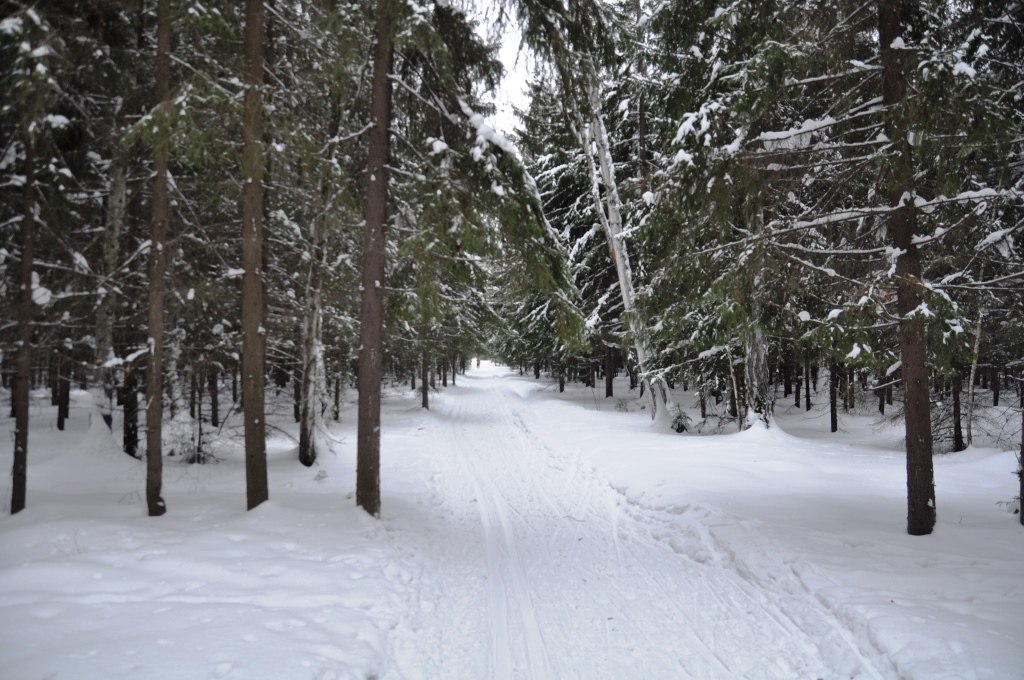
734,394
609,371
995,386
425,380
64,366
371,315
1020,460
760,396
909,288
117,200
833,391
157,266
213,387
958,434
311,348
130,403
973,381
609,208
23,361
253,335
807,386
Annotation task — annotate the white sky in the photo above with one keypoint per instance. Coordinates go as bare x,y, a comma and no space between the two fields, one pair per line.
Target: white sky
512,90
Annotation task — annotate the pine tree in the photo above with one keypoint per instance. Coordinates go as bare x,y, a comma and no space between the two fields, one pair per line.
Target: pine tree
253,332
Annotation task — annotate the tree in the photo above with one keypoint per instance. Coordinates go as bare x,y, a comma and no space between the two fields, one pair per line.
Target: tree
909,287
371,315
253,333
157,268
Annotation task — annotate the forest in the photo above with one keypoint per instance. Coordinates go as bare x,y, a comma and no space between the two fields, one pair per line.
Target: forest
743,199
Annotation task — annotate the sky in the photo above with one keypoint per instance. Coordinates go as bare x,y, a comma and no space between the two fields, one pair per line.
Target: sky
512,90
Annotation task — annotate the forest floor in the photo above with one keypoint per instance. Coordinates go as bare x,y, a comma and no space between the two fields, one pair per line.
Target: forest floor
524,534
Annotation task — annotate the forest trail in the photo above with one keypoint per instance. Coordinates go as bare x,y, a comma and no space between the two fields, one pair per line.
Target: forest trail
532,567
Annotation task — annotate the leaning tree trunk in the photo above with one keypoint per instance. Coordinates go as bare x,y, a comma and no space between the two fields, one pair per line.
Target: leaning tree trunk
23,361
371,314
253,338
157,266
909,287
609,209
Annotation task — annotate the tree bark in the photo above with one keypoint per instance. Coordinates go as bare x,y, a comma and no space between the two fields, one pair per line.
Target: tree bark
958,434
807,387
64,367
609,208
425,380
371,314
23,360
909,287
213,387
157,266
609,371
130,403
833,390
117,201
253,334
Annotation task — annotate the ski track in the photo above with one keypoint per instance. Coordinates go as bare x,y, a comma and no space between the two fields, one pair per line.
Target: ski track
537,569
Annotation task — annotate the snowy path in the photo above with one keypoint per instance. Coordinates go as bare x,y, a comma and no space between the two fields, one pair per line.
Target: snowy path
534,568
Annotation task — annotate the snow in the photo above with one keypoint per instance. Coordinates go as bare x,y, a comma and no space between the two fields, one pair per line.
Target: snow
804,315
524,533
437,146
56,121
964,69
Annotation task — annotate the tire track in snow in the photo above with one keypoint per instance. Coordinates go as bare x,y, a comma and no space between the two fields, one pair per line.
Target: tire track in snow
506,576
574,581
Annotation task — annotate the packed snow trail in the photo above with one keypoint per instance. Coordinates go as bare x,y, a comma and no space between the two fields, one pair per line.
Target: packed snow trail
534,568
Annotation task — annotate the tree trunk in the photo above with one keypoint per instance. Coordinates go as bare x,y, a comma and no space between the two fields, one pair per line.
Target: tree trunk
337,398
609,371
425,380
909,289
23,361
63,389
157,266
371,313
253,335
1020,461
213,387
759,395
117,201
995,386
807,387
130,403
958,434
833,390
787,372
311,348
609,209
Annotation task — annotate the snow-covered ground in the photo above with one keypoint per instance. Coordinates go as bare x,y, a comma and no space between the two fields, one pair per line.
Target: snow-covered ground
525,534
